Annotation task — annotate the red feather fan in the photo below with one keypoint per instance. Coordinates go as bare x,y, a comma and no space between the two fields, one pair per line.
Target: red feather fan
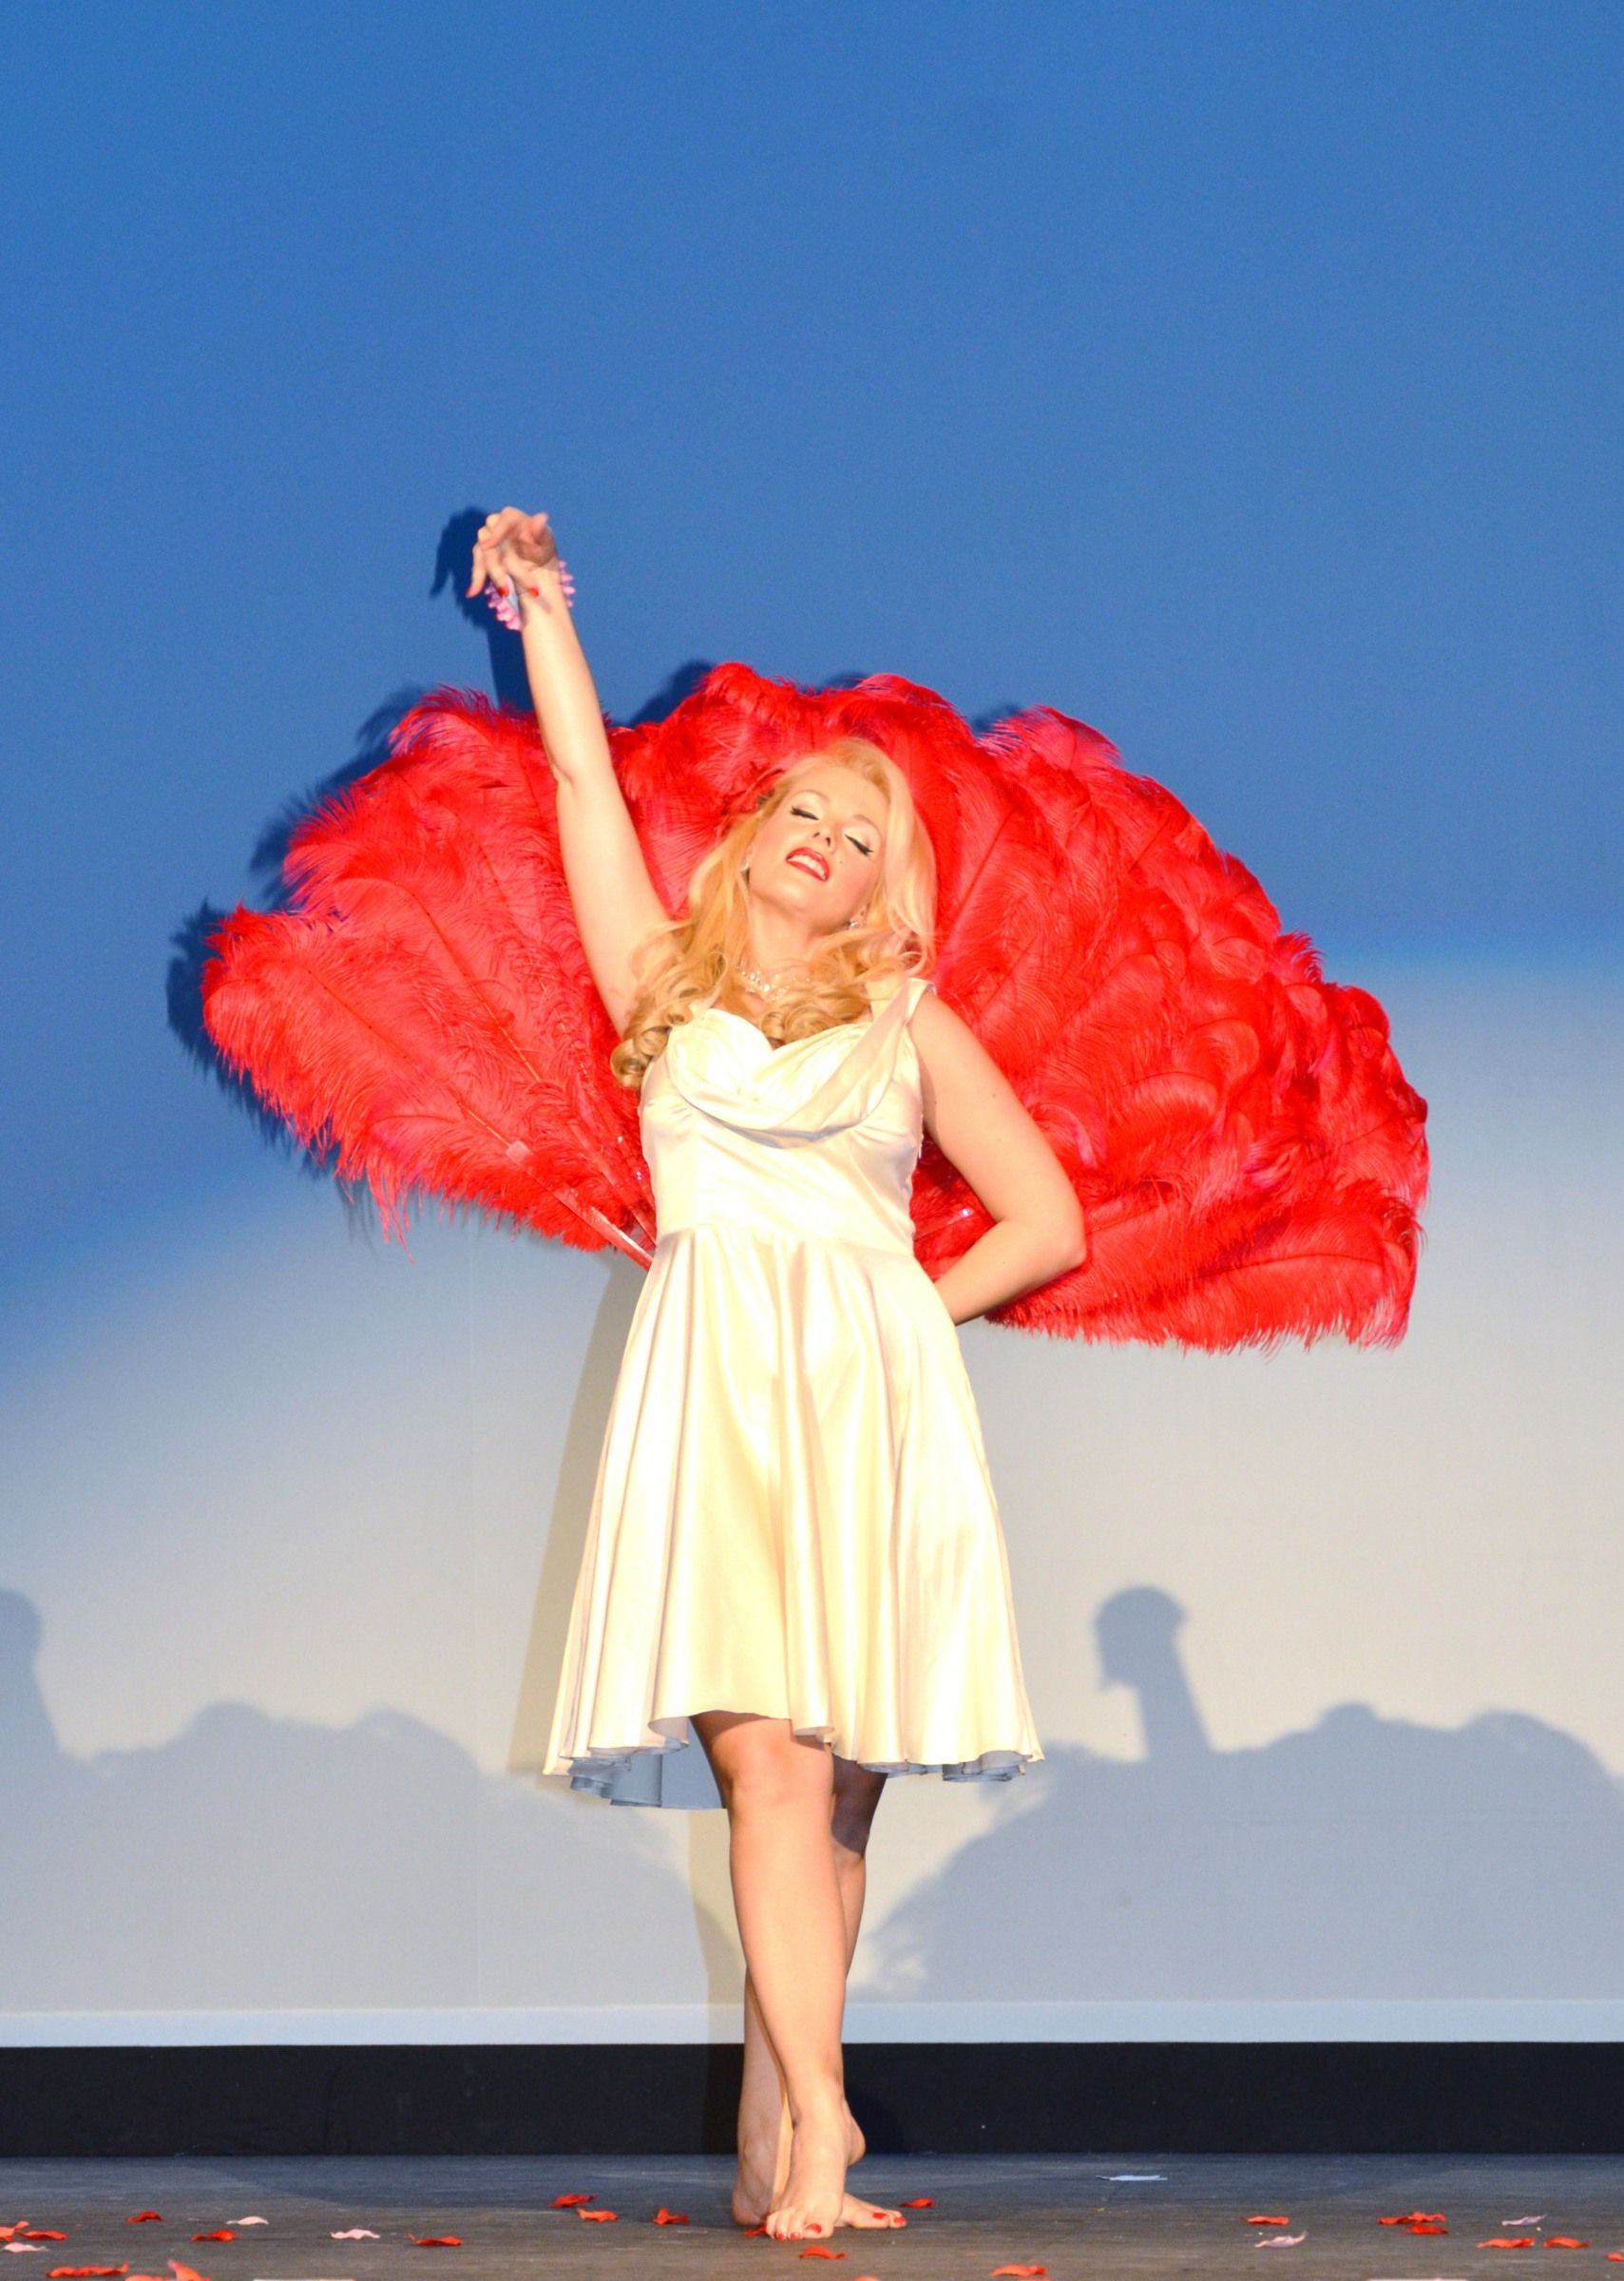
1249,1155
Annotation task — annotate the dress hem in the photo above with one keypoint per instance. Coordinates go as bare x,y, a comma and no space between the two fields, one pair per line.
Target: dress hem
600,1772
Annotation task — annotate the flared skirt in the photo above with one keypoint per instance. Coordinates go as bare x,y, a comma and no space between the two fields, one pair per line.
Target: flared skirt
793,1516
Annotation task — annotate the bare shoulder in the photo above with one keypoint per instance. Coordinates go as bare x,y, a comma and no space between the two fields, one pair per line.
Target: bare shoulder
983,1128
951,1056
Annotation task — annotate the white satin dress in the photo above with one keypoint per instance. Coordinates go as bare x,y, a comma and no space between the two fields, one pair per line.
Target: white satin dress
793,1513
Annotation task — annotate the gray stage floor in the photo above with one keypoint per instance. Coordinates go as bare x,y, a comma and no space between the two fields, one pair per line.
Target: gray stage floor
1058,2210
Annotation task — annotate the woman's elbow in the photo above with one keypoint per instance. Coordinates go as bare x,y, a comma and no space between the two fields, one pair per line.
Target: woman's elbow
1074,1240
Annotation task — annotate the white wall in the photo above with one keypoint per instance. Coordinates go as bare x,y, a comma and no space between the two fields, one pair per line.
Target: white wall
1323,1647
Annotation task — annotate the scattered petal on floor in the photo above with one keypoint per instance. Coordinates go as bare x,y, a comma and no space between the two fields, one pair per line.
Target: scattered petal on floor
1512,2223
61,2272
430,2241
568,2201
224,2234
355,2234
1564,2241
185,2273
608,2216
41,2234
1269,2221
1280,2241
1029,2271
247,2221
1508,2241
1424,2225
920,2201
1414,2217
664,2216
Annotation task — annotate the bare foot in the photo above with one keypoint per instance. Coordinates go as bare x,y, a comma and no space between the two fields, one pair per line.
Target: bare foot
815,2193
764,2171
853,2210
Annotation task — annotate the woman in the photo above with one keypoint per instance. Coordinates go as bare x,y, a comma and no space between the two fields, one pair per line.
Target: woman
794,1549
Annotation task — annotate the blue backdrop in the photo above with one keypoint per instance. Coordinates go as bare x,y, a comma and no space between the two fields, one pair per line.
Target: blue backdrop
1242,378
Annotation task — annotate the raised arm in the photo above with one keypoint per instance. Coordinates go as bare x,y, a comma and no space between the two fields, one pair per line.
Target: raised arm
613,899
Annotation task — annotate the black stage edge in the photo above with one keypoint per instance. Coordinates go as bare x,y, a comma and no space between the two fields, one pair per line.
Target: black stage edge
681,2099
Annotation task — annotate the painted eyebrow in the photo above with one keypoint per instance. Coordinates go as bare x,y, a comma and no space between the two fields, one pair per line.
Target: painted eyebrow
812,793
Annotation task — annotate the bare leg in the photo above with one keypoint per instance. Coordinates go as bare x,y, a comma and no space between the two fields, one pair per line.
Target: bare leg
765,2130
778,1790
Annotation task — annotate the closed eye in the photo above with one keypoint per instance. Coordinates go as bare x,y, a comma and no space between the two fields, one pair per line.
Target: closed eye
810,816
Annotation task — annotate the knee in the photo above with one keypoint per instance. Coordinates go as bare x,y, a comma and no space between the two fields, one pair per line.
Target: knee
776,1777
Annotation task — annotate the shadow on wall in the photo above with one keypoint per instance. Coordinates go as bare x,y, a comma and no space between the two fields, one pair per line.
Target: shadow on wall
268,1863
1368,1857
260,1863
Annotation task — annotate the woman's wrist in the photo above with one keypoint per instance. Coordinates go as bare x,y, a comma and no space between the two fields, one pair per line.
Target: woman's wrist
533,595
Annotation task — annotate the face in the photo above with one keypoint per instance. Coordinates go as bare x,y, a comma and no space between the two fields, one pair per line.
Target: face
832,815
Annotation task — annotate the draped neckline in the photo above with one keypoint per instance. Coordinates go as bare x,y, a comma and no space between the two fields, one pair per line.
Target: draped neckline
776,1090
829,1030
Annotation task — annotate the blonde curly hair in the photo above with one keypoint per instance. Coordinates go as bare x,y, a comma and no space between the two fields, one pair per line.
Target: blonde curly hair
679,967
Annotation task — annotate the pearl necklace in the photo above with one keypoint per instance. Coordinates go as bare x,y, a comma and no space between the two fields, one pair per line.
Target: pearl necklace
760,983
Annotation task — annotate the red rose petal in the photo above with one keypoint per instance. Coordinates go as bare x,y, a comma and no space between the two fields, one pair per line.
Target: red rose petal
224,2234
62,2271
185,2273
1564,2241
1029,2271
920,2201
1508,2241
568,2201
608,2216
1426,2227
1276,2221
664,2216
436,2241
40,2234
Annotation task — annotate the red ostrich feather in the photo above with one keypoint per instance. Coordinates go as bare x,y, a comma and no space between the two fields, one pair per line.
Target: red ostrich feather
1251,1160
